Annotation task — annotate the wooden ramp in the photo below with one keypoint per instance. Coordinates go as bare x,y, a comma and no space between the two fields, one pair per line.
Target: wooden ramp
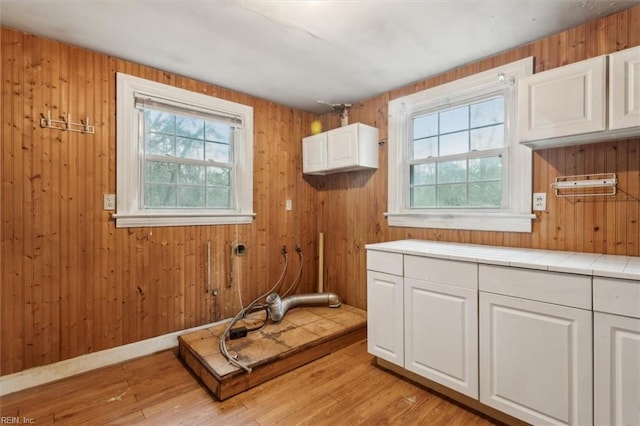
303,335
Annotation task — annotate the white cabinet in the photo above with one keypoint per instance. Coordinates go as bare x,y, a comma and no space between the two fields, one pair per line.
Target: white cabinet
588,101
347,148
385,312
563,101
616,344
535,356
423,316
441,322
624,89
540,336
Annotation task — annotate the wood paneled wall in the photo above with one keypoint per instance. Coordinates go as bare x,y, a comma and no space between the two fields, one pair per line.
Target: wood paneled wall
73,284
351,206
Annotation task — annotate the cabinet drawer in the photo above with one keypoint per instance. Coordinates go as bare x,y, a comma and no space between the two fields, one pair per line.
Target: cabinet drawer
616,296
382,261
450,272
551,287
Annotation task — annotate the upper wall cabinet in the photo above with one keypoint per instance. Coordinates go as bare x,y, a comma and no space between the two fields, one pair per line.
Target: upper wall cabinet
624,89
568,105
563,101
344,149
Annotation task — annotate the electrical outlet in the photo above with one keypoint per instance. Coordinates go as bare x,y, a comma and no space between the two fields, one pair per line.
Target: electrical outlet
288,205
539,201
109,201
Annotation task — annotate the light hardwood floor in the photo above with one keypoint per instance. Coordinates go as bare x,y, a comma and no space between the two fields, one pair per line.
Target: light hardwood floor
343,388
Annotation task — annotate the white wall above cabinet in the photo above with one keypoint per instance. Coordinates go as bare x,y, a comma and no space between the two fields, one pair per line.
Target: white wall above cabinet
344,149
569,105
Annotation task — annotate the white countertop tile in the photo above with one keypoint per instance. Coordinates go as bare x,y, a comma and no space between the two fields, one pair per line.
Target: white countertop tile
605,265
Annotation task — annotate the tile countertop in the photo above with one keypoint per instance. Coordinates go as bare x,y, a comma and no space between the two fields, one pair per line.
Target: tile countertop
601,265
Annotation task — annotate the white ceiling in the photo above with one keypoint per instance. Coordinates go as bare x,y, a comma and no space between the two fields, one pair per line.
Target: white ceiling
298,52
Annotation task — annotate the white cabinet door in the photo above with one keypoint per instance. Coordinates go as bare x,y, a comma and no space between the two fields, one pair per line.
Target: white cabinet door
352,147
617,370
536,360
385,316
314,153
624,89
342,147
563,101
441,334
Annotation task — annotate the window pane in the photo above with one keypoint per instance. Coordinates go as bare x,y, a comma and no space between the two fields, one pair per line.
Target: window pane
424,148
190,127
454,120
423,196
489,168
217,132
486,194
452,195
219,198
218,152
191,196
159,144
425,126
487,137
217,176
159,122
423,174
452,171
182,184
190,148
159,196
487,112
191,174
160,172
454,143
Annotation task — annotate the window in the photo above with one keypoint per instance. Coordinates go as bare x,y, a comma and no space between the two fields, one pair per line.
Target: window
456,156
183,158
454,160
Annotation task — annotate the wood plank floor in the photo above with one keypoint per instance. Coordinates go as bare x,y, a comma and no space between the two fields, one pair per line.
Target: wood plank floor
343,388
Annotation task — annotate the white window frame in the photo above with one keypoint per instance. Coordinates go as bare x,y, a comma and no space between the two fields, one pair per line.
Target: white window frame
515,215
130,152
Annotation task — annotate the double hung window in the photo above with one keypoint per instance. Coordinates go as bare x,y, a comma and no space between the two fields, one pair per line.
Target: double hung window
457,155
183,158
454,160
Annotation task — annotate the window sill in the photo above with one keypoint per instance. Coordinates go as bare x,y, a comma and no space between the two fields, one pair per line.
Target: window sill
124,220
504,222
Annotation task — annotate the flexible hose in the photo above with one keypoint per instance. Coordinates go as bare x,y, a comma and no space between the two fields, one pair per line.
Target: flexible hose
243,311
294,285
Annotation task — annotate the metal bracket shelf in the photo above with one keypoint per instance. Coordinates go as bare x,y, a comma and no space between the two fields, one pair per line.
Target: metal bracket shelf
600,184
50,123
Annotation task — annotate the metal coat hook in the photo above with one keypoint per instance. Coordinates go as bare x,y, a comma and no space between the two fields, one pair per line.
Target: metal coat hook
50,123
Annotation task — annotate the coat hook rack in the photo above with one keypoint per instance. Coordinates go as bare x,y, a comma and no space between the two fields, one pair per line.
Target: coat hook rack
50,123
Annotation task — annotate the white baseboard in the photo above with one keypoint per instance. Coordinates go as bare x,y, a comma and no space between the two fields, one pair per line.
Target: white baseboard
48,373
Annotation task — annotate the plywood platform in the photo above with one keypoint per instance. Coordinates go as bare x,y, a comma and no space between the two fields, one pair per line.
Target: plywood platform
304,334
